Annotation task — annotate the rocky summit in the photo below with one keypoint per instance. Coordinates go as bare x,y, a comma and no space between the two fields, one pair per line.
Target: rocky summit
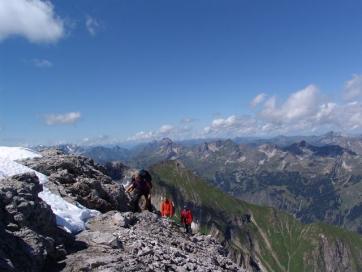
145,242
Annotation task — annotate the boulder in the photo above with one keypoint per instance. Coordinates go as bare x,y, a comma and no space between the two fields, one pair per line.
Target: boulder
30,239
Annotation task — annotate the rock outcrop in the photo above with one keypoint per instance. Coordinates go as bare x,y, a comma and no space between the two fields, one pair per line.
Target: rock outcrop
29,237
79,179
145,242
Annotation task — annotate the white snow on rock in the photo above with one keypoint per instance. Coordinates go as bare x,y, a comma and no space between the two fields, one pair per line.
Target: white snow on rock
346,166
69,216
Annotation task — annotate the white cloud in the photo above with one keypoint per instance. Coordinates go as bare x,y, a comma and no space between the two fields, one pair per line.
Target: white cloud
32,19
302,112
142,136
353,88
299,105
42,63
62,119
257,100
232,126
92,25
166,129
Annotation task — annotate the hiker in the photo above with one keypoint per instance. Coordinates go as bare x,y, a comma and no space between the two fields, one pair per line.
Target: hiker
186,219
167,208
141,185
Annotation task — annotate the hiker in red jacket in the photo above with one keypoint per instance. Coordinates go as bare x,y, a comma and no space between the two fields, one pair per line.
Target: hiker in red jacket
167,208
186,219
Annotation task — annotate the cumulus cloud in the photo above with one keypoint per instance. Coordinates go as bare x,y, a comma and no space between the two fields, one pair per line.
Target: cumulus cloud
32,19
303,112
62,119
299,105
162,132
142,136
231,126
353,88
257,100
166,129
42,63
92,25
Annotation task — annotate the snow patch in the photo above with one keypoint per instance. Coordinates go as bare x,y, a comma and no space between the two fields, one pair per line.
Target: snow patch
213,147
242,159
283,165
346,166
17,153
70,217
269,153
229,162
261,162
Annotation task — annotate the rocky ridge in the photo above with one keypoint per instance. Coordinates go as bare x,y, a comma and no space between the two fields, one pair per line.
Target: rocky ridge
145,242
80,180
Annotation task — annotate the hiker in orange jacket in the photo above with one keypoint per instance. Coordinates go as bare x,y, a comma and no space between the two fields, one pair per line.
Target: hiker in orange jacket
167,208
186,219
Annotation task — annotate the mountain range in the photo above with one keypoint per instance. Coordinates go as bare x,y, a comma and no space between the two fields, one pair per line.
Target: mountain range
313,178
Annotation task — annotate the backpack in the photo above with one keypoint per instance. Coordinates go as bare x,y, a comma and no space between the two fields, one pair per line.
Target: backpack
145,182
144,174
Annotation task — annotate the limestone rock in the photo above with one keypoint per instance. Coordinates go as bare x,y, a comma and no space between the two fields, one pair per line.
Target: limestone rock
149,243
79,179
30,239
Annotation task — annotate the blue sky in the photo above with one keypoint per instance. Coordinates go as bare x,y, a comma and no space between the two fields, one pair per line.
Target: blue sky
91,70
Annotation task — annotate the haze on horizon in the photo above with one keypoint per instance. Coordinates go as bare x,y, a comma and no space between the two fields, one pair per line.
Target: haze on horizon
132,71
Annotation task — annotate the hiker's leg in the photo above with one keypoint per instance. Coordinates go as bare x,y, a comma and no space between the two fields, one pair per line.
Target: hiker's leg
185,227
148,201
189,231
135,198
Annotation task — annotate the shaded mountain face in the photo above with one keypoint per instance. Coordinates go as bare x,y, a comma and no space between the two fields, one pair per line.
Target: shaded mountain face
258,238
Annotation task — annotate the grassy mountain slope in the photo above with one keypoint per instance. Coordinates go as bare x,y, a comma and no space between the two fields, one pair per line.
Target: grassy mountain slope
259,237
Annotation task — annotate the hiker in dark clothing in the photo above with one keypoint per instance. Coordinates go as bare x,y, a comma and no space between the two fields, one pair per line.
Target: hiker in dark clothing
186,219
141,185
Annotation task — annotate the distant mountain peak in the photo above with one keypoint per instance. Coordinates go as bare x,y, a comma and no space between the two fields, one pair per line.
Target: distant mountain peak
166,141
